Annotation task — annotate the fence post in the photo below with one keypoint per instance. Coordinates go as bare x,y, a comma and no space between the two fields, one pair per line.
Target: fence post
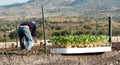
43,20
110,29
16,26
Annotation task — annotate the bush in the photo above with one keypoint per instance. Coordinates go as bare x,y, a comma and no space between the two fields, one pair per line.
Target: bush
1,37
12,35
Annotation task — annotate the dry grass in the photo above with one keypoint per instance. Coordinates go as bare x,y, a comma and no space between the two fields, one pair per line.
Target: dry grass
63,19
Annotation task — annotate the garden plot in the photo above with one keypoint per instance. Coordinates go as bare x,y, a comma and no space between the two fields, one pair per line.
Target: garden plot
80,44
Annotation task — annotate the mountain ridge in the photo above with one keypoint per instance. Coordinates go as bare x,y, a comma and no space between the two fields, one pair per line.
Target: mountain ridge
32,9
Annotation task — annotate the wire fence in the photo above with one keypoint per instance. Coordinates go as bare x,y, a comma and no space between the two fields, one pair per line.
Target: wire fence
115,38
13,44
40,42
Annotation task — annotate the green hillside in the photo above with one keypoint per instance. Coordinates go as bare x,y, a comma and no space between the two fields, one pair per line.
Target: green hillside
83,8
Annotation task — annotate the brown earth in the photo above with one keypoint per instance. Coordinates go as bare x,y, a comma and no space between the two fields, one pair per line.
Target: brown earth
37,57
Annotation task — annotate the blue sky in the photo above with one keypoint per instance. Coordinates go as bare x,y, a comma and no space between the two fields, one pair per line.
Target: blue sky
8,2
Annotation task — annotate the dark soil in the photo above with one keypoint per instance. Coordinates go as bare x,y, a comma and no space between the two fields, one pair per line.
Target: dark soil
36,56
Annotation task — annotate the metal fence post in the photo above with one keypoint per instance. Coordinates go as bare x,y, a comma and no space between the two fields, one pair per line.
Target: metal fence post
110,29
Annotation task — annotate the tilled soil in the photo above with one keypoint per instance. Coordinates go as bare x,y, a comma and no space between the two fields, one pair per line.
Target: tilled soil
38,57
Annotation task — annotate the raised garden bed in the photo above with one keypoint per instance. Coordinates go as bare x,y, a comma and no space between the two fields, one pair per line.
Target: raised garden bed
80,44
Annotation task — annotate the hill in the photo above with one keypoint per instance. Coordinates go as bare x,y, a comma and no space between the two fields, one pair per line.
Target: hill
89,8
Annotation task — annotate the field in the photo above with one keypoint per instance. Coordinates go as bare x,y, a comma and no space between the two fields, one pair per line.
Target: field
37,57
62,18
14,56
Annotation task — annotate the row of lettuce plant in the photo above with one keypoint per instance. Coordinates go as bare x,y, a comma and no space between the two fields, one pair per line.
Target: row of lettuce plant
78,41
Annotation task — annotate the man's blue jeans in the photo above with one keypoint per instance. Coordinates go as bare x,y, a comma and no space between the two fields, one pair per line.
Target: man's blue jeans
25,34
